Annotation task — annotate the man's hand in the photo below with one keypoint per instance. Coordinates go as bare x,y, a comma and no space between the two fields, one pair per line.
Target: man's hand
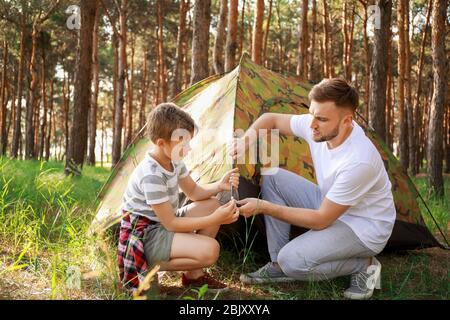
250,207
226,213
230,178
237,147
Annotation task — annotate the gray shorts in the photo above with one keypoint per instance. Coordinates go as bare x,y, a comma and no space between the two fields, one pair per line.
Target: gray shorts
158,241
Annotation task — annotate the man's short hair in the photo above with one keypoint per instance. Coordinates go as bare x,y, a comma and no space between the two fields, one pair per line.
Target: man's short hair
166,118
337,90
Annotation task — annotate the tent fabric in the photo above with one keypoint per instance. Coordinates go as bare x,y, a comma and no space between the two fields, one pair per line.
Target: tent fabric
222,104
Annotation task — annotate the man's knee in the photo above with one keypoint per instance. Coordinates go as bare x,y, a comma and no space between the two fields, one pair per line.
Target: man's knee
294,265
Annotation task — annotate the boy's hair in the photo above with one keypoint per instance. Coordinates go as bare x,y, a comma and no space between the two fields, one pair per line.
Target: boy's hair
337,90
166,118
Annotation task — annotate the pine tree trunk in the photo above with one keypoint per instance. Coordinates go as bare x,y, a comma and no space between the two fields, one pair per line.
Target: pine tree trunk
266,33
120,86
403,139
32,97
50,124
95,81
18,115
366,64
200,40
378,75
435,126
418,111
242,27
231,42
161,54
178,68
82,94
408,102
130,84
43,128
144,88
3,103
312,73
219,42
326,41
303,43
258,32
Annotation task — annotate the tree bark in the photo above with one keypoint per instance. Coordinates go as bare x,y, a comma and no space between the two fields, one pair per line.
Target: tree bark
266,33
403,139
200,40
326,40
17,132
378,75
144,88
43,128
50,124
219,42
242,27
82,94
258,32
312,72
178,68
120,85
303,43
161,54
414,166
130,84
231,42
435,126
32,98
95,82
3,103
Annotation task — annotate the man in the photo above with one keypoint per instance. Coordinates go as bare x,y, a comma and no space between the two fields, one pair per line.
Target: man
350,212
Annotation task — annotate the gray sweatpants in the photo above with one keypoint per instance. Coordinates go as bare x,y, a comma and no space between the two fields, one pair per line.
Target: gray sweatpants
315,255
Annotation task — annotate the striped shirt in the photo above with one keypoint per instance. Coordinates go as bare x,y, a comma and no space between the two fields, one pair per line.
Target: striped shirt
151,184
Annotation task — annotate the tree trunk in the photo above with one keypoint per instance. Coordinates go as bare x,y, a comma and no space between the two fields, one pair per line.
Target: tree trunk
95,82
144,87
303,43
326,41
219,42
82,94
66,95
231,42
403,139
161,54
435,127
408,102
348,27
378,75
50,124
177,73
258,32
43,128
312,72
366,64
242,28
29,124
200,40
266,34
3,103
414,166
18,113
120,85
130,84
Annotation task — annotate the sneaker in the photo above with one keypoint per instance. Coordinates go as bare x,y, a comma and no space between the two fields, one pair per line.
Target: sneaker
213,284
268,273
362,284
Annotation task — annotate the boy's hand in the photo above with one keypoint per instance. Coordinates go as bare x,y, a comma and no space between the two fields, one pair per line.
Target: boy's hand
229,178
227,213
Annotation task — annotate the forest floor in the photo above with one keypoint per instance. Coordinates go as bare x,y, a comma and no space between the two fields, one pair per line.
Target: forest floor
45,216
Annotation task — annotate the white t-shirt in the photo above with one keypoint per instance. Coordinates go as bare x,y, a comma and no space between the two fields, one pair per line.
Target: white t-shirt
353,174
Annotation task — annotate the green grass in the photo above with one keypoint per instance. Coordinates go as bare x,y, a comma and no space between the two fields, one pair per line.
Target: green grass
44,221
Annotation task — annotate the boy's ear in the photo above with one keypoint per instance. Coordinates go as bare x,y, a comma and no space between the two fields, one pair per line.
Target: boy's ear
160,142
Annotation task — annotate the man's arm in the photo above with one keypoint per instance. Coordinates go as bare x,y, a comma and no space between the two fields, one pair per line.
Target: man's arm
269,121
319,219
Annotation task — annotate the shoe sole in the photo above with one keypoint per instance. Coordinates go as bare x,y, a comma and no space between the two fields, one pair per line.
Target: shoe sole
249,280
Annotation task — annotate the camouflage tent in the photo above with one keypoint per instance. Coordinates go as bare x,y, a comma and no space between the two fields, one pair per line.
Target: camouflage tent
222,104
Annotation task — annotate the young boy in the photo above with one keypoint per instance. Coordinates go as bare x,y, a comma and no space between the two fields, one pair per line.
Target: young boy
154,230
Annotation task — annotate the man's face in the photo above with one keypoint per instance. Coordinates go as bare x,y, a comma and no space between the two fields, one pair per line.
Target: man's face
328,120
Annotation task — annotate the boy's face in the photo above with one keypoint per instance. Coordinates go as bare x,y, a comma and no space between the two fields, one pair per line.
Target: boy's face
177,148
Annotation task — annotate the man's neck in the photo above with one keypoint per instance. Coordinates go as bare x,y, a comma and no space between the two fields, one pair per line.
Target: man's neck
340,139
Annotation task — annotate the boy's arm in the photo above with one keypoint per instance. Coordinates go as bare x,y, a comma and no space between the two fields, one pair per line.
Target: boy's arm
197,192
223,215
